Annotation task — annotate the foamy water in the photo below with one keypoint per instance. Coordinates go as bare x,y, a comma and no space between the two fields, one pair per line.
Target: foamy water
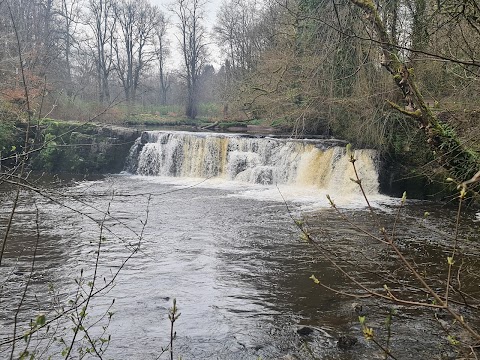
300,171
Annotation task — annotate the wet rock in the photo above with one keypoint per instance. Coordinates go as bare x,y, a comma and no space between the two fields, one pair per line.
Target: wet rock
359,309
304,331
258,347
346,342
91,148
144,138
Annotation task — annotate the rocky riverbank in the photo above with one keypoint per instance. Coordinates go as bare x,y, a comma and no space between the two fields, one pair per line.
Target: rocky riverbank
80,148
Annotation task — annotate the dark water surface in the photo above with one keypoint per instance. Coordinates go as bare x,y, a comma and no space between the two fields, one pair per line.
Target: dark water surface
236,265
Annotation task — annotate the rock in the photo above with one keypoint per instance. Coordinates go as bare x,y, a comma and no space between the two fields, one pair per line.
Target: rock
346,342
92,149
359,309
304,331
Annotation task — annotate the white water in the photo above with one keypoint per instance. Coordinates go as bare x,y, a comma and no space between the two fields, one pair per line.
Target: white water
265,168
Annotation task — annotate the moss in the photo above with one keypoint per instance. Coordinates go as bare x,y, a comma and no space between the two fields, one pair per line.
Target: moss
228,124
160,121
82,148
12,138
7,131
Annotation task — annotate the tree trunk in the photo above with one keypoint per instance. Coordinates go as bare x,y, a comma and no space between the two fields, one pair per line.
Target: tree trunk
462,163
191,108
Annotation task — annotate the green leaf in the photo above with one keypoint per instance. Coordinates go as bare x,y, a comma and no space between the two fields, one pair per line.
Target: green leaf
349,149
315,280
40,320
299,222
450,260
304,237
451,339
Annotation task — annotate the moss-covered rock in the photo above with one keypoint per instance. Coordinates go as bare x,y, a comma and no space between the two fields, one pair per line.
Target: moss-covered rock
11,137
82,148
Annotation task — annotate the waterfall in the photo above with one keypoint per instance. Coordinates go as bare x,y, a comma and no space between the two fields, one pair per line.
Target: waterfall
258,160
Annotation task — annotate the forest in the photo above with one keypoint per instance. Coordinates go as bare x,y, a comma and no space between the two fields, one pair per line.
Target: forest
400,76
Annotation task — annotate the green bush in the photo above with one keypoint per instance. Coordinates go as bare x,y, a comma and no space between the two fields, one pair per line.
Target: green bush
8,120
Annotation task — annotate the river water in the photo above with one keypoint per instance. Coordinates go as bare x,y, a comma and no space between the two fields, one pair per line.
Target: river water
228,252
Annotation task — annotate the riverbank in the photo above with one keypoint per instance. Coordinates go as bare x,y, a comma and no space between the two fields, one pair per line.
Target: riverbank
89,148
73,147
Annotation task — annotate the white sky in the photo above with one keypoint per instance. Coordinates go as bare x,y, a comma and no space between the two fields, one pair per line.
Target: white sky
210,19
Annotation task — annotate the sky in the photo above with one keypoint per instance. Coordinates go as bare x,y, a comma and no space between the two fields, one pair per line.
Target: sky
210,19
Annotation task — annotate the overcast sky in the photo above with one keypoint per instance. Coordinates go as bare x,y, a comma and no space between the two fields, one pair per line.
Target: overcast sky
210,19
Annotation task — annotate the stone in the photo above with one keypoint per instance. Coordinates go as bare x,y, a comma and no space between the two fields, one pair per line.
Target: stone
346,342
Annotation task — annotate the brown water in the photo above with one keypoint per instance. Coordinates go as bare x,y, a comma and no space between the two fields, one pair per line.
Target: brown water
235,264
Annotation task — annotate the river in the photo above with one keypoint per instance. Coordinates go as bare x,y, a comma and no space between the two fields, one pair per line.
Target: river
227,250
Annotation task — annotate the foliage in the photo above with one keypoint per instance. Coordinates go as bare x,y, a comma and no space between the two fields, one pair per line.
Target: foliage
81,148
12,134
323,74
7,135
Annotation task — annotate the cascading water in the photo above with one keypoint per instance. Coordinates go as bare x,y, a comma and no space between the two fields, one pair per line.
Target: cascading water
318,163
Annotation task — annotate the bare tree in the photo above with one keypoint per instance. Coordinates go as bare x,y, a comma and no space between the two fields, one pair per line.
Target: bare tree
137,21
102,23
32,24
238,33
69,12
193,44
162,51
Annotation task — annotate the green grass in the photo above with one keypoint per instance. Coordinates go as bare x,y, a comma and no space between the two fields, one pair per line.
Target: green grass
279,122
150,120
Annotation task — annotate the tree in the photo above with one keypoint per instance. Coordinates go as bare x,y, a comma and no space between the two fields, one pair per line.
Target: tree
69,12
449,150
31,25
238,33
102,23
137,21
307,73
192,41
162,51
208,81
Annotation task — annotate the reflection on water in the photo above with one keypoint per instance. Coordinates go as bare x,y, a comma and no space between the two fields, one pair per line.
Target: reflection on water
236,266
